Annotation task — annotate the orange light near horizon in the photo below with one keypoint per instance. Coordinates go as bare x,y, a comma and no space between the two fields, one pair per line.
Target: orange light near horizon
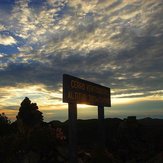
11,114
84,106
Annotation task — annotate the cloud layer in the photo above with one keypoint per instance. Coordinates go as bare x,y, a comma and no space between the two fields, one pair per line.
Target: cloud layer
114,43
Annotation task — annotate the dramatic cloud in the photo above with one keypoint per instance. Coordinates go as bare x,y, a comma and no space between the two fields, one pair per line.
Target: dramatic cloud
114,43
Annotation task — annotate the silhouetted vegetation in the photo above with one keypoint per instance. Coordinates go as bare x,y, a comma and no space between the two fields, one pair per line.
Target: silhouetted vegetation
31,140
4,125
28,114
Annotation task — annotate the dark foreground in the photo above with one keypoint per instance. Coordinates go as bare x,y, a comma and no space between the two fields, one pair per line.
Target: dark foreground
128,140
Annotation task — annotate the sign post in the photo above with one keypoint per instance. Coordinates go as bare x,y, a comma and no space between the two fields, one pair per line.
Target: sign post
101,129
78,91
72,114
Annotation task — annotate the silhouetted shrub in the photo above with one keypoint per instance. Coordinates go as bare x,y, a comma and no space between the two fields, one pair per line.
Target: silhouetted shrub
28,116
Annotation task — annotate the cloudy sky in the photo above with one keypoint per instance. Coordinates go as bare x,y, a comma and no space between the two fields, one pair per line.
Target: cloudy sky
115,43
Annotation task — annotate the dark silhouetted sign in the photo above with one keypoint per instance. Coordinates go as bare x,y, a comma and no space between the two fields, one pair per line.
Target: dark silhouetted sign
80,91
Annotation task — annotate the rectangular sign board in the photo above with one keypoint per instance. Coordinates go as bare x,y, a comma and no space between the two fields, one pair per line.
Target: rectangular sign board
80,91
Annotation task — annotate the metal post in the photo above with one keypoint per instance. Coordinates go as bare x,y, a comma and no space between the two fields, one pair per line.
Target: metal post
101,126
72,111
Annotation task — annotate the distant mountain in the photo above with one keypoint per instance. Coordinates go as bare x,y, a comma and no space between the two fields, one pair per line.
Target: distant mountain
151,122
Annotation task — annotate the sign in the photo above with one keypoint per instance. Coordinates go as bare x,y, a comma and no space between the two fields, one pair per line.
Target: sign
80,91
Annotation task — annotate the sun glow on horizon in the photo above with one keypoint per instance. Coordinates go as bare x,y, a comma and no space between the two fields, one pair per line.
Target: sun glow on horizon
50,101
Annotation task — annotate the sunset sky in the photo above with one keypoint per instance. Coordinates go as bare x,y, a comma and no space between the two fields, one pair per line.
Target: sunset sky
115,43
